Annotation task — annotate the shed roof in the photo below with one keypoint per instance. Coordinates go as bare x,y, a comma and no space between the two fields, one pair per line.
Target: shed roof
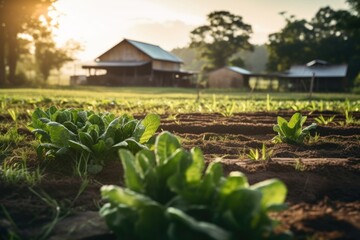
239,70
300,71
153,51
113,64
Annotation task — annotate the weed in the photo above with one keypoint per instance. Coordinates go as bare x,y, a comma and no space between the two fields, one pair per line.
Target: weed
19,173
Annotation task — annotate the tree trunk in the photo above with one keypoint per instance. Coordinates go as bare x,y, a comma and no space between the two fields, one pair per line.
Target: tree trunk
2,45
12,55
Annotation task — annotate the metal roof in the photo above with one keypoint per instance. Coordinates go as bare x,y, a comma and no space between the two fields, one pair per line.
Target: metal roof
154,51
113,64
239,70
302,71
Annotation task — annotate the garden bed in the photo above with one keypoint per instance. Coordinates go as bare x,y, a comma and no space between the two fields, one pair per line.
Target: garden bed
322,177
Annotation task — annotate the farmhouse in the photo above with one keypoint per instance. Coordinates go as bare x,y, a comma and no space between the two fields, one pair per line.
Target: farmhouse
327,77
134,63
229,77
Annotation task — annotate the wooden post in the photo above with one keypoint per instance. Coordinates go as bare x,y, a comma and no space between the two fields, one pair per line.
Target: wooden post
312,84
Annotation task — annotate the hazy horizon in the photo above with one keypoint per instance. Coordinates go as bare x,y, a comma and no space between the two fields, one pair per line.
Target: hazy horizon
99,26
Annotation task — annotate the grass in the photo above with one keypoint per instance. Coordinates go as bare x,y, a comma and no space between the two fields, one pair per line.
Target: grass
91,92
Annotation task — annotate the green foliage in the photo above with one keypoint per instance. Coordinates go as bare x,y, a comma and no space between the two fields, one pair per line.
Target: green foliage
224,35
262,154
167,196
90,137
18,17
331,35
324,121
292,131
19,173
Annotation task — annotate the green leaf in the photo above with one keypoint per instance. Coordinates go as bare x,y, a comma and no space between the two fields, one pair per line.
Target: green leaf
151,123
94,168
294,120
99,148
117,195
71,126
165,145
79,146
43,135
234,181
86,139
245,204
208,229
96,119
131,174
59,134
195,170
273,192
151,223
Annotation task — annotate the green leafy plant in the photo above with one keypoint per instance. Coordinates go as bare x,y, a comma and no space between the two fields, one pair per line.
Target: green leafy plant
263,154
292,131
168,196
90,138
324,121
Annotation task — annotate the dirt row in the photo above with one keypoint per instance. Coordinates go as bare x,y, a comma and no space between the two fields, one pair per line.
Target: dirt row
322,177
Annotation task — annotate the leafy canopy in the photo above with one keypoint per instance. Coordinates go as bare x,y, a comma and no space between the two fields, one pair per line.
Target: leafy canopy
331,35
224,35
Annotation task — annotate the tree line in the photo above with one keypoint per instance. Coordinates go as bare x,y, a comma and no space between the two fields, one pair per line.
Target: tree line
331,35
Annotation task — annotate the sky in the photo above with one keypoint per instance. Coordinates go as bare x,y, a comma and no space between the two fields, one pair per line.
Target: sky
100,24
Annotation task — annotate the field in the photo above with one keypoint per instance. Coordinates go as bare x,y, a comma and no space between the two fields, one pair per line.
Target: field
42,200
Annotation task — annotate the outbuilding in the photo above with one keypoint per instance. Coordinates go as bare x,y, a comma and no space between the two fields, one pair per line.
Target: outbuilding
229,77
326,77
134,63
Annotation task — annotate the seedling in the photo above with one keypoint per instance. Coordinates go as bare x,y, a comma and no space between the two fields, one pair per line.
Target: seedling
324,121
254,153
292,131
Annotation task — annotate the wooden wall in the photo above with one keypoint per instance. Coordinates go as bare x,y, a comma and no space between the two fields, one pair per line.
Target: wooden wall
225,78
124,52
163,65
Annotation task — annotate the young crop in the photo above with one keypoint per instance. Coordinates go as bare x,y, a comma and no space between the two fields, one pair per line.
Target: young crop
168,196
90,138
292,131
324,121
263,154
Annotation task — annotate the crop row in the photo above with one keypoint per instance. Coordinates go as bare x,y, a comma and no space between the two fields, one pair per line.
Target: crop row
225,105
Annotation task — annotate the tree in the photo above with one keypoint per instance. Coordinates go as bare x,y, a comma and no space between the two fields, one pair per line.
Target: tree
15,16
331,35
292,45
49,57
224,35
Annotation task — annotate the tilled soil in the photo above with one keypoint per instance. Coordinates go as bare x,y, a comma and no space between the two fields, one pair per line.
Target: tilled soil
322,176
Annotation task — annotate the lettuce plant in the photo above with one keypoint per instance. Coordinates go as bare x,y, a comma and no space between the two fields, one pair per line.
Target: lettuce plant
90,137
167,195
292,131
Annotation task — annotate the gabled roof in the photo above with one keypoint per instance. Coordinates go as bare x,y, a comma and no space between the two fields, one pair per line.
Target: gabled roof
153,51
104,64
239,70
299,71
